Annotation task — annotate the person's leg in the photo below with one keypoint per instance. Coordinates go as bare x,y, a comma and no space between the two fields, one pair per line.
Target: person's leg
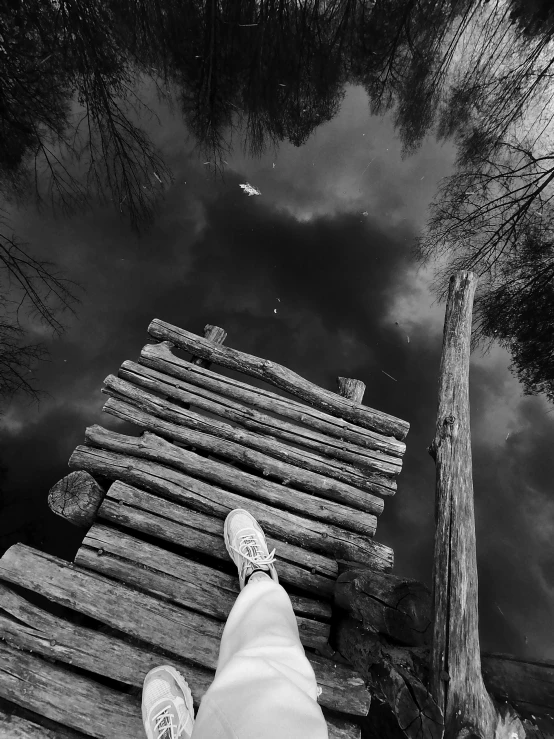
264,687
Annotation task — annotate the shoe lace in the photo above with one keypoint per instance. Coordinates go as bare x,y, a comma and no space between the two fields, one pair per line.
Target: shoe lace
163,723
251,550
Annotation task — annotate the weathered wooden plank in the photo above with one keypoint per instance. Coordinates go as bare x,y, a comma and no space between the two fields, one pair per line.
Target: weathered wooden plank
455,680
330,673
216,335
76,497
16,727
188,635
157,624
183,581
314,634
316,535
527,684
38,631
351,456
281,377
87,706
160,451
135,509
160,357
395,606
339,727
132,410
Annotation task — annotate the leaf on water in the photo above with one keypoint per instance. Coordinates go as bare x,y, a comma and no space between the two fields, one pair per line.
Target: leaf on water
249,190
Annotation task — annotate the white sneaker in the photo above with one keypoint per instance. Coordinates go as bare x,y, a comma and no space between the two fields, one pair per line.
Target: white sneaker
167,707
247,547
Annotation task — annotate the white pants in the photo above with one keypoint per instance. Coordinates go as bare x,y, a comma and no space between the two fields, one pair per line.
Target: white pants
264,685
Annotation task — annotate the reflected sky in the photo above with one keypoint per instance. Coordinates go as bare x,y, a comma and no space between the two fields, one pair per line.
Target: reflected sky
314,273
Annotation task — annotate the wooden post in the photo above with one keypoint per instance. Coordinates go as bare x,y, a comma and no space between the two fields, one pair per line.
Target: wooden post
455,680
212,333
351,389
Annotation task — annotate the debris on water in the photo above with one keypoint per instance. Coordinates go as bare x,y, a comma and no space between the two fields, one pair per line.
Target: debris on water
156,176
249,190
408,338
275,310
278,299
281,84
365,213
273,165
387,374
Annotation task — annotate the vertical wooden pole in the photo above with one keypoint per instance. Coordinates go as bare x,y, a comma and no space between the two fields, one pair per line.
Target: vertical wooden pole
212,333
351,389
455,682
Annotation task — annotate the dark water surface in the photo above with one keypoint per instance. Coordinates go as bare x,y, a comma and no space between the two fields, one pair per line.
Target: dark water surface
316,273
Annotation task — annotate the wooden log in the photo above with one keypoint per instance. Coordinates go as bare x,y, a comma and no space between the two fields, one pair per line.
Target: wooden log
38,631
393,681
164,419
182,581
216,335
138,510
87,706
13,726
398,607
352,389
178,632
188,635
154,448
159,357
364,468
313,634
455,669
528,685
283,378
76,497
339,727
318,536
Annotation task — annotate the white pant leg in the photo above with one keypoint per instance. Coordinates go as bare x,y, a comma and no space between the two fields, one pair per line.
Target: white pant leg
264,686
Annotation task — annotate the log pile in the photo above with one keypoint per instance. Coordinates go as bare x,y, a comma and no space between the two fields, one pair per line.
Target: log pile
315,470
153,569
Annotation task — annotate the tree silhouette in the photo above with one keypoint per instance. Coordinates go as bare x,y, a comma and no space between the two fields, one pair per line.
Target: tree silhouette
71,110
517,311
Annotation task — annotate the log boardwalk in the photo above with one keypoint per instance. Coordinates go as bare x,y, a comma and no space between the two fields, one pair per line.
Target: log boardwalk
152,582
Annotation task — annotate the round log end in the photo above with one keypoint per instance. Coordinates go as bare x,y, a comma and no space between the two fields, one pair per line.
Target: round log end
76,497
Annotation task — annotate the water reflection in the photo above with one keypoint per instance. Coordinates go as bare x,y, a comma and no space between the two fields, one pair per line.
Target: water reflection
73,118
75,104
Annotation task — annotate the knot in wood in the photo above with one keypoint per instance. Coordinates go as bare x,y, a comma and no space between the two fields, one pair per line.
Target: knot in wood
100,552
450,419
53,643
445,676
313,570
